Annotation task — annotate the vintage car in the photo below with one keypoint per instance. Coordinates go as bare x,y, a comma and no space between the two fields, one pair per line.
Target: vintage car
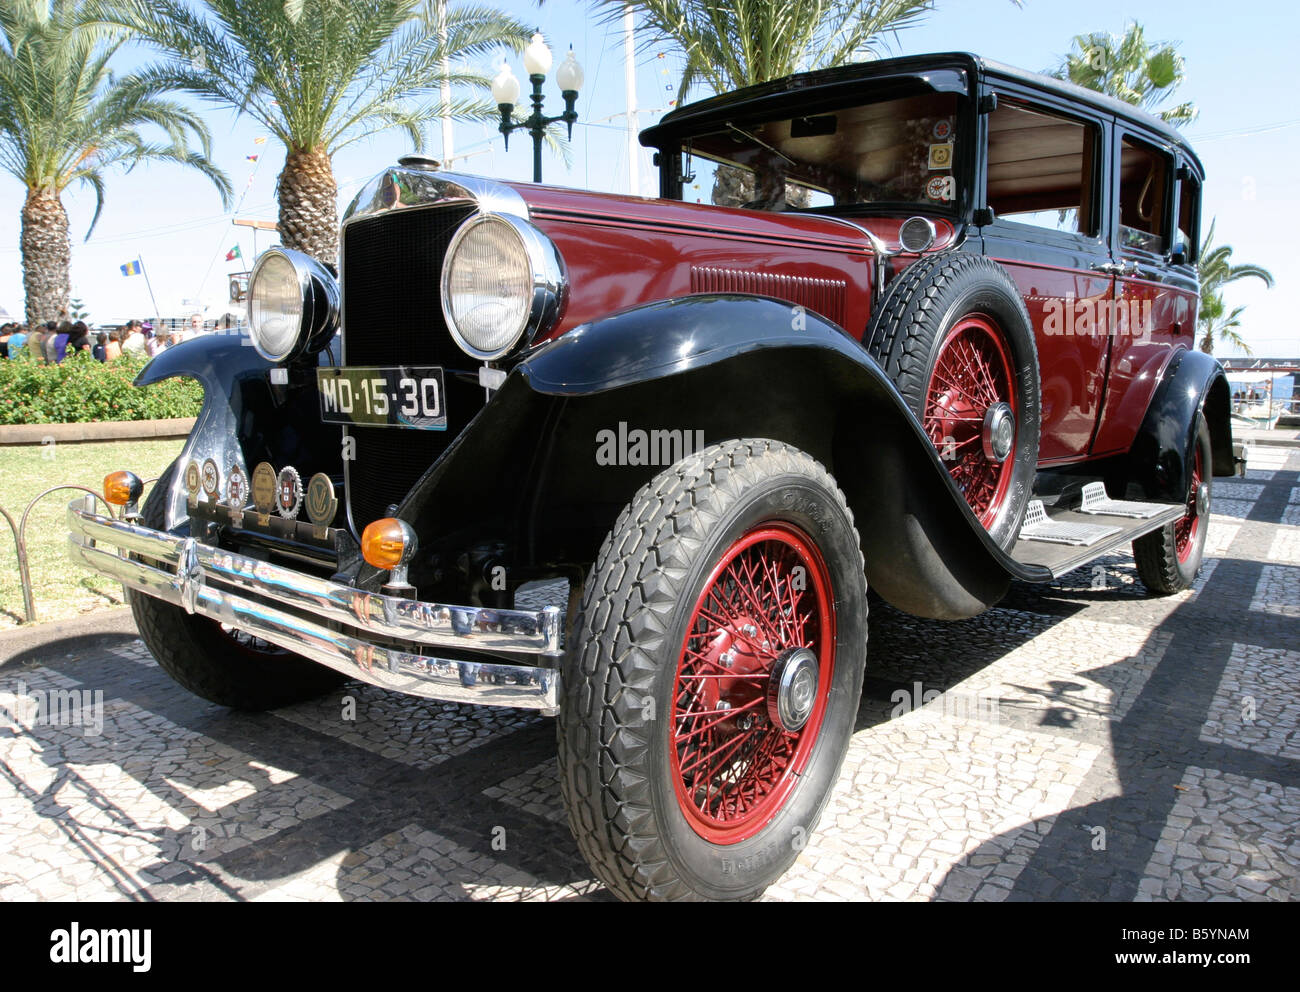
943,342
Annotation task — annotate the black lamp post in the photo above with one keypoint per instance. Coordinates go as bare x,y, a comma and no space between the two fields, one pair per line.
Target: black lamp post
505,91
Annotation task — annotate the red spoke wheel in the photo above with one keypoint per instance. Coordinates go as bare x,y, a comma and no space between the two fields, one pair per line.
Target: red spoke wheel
1185,530
970,411
1168,559
744,724
713,675
954,336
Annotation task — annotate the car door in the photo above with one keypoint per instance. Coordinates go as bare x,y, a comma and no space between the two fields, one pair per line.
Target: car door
1156,292
1043,175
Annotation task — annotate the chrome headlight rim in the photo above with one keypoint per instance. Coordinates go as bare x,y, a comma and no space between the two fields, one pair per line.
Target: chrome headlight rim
321,304
550,283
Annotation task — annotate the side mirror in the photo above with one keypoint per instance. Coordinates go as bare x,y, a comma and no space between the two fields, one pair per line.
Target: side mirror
1179,254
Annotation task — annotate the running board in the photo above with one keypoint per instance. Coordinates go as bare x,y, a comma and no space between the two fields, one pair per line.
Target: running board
1062,540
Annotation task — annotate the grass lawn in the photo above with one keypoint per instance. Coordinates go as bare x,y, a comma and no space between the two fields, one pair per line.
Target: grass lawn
61,589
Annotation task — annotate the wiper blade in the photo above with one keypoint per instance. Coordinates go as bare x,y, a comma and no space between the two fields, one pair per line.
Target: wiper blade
760,141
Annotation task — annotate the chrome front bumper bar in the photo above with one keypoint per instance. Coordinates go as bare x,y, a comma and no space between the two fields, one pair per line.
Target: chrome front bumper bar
329,622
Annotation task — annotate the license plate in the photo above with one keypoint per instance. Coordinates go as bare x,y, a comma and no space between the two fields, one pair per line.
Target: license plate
402,396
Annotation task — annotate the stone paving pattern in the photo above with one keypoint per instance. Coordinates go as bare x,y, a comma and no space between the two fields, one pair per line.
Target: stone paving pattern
1089,743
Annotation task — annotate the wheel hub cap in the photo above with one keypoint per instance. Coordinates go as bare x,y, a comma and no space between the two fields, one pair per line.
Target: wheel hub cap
792,690
999,432
1203,499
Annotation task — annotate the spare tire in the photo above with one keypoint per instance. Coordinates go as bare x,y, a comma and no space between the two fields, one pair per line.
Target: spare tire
954,336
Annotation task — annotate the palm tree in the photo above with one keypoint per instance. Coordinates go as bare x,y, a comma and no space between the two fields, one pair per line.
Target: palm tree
1216,270
733,43
320,75
64,118
1130,69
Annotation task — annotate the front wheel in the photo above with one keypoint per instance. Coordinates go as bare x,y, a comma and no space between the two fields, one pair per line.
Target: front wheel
714,674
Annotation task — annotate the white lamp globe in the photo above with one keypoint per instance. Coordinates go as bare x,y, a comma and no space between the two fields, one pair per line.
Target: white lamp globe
569,75
505,87
537,57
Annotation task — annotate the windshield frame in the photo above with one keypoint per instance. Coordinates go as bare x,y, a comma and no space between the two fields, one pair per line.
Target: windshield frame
750,115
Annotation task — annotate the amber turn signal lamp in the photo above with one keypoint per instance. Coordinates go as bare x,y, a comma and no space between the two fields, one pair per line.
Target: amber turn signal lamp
388,543
122,488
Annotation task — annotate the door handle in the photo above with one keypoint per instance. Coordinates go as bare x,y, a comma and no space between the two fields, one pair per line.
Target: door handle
1110,268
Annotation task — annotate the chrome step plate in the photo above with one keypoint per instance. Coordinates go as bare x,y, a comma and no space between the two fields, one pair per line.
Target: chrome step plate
1038,526
1096,501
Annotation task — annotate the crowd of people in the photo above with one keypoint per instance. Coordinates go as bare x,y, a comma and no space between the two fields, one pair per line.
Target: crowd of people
51,343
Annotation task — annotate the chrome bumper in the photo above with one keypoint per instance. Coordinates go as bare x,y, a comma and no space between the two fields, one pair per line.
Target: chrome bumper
328,622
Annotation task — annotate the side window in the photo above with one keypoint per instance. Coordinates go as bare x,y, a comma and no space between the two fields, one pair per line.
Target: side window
1042,169
1189,216
1144,178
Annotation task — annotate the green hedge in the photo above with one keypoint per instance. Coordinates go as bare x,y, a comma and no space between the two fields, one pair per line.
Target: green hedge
82,390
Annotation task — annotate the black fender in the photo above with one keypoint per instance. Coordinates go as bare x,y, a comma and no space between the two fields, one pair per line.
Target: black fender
714,367
1191,382
243,419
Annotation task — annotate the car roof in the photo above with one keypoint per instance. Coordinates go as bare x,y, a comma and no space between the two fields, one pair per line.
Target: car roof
683,119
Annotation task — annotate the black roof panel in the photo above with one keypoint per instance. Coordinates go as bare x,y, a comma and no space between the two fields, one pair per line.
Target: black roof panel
685,119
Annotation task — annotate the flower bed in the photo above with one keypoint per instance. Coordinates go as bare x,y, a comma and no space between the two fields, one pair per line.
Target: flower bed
82,390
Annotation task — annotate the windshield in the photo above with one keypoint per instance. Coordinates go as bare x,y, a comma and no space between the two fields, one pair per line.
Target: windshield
898,152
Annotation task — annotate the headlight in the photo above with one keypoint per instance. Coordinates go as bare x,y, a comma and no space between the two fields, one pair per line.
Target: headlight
293,304
502,277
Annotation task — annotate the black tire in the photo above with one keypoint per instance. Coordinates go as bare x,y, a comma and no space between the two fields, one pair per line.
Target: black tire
620,769
1162,570
928,303
222,666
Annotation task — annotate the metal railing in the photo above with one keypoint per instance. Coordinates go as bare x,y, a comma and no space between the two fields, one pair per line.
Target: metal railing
19,531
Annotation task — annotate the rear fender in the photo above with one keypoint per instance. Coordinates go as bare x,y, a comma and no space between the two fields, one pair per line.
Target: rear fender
1192,382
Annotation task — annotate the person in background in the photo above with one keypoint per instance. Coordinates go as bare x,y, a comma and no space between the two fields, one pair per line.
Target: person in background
36,342
79,339
51,343
161,343
99,351
6,333
62,334
134,340
113,349
17,340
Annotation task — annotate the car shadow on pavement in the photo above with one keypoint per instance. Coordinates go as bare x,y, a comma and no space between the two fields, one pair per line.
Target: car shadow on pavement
249,800
1185,797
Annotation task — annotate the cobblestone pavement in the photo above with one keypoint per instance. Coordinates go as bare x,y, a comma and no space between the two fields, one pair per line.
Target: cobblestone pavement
1088,742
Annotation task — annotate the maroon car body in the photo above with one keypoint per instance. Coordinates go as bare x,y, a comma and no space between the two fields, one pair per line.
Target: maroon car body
941,341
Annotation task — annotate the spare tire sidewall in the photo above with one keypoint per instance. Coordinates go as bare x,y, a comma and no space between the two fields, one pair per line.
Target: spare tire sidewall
1007,311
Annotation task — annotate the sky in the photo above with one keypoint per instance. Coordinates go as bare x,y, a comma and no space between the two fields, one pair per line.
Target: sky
1240,73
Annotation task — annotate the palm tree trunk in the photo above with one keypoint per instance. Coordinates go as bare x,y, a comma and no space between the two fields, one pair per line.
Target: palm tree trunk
46,255
308,194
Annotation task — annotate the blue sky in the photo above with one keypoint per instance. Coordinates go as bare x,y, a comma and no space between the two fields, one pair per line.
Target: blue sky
1240,64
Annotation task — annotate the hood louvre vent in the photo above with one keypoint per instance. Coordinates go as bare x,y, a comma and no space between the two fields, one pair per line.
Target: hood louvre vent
822,296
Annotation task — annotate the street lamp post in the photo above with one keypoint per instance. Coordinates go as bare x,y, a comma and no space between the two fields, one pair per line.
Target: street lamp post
505,91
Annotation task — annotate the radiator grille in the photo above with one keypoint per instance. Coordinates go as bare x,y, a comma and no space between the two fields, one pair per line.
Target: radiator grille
392,315
821,296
